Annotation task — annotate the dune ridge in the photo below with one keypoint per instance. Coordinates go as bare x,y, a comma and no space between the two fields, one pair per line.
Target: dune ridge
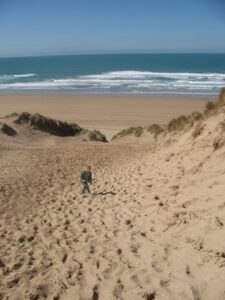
183,122
35,127
153,227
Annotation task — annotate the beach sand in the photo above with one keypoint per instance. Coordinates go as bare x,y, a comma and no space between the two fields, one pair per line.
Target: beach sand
154,225
109,114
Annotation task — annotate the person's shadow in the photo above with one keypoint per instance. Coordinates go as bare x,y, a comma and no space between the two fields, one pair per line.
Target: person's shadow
104,193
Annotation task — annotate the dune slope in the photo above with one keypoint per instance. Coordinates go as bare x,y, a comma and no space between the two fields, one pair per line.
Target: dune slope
153,227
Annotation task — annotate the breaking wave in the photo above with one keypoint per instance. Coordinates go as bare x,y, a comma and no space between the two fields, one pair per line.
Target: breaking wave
15,76
122,82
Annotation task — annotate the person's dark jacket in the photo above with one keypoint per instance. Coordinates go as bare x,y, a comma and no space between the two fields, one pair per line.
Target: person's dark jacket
86,176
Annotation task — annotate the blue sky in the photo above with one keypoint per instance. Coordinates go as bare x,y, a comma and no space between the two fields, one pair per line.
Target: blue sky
40,27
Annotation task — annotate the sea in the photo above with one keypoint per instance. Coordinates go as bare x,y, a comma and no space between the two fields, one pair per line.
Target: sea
200,75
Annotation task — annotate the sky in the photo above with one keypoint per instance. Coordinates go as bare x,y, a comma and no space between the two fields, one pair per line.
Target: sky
45,27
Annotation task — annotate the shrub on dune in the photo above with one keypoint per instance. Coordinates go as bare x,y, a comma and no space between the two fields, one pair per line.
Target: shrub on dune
196,116
53,126
177,124
183,122
155,129
21,118
136,131
4,128
56,127
210,107
49,125
12,115
222,97
96,135
213,106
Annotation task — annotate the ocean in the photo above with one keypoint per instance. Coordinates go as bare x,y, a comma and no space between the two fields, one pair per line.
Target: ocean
136,74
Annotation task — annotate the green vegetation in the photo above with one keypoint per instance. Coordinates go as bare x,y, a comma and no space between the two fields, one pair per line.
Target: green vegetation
4,128
183,122
136,131
155,129
222,97
177,123
56,127
12,115
211,106
48,125
196,116
96,135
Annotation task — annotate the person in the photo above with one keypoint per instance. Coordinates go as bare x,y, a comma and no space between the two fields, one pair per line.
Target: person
86,178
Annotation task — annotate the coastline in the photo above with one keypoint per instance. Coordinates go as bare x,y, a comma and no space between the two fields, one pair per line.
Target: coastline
109,114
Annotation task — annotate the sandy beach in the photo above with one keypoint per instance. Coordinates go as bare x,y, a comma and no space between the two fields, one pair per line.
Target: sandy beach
109,114
153,226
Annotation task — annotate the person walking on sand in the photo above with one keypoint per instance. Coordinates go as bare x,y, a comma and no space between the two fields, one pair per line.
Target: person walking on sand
86,178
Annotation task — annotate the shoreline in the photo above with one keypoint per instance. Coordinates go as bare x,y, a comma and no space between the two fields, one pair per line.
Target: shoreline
197,96
109,114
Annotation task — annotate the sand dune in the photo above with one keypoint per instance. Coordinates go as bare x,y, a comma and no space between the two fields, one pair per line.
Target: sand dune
153,227
109,114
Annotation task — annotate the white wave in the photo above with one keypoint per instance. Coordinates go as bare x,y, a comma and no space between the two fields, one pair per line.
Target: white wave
24,75
101,84
123,82
141,74
5,77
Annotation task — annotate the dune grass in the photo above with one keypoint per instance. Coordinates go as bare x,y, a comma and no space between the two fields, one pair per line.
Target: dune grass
222,97
155,129
56,127
178,124
49,125
4,128
136,131
96,135
213,106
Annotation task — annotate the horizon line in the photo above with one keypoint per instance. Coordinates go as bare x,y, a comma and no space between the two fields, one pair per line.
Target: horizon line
108,53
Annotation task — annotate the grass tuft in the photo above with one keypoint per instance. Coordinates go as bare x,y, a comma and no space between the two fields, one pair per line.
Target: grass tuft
56,127
211,107
49,125
198,130
7,129
12,115
222,97
155,129
177,124
96,135
136,131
